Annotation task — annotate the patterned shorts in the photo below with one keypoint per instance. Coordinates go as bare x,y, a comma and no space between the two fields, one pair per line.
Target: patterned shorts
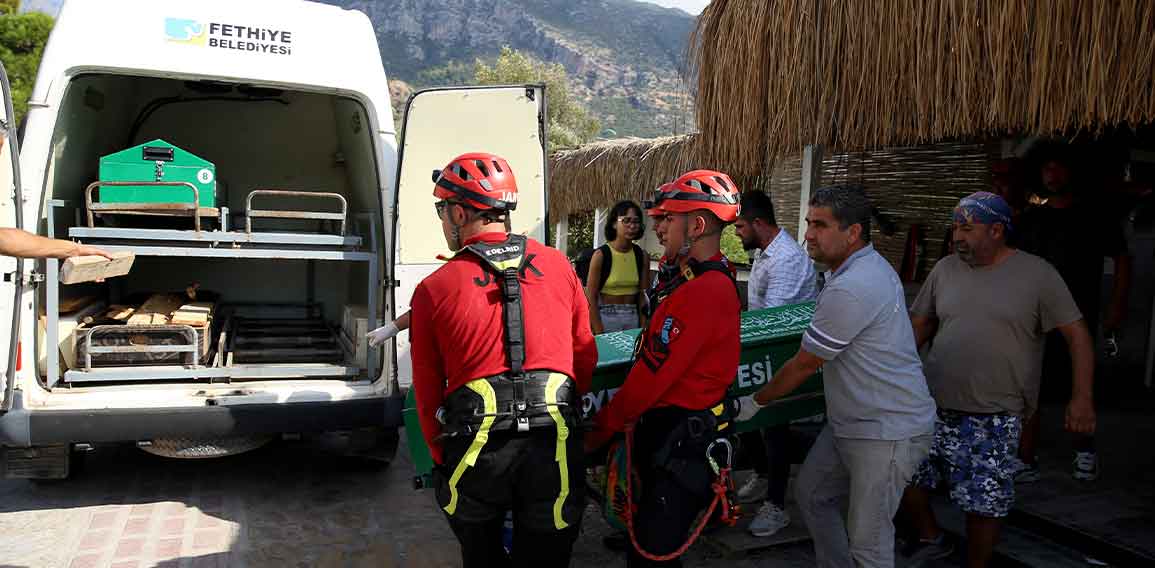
975,455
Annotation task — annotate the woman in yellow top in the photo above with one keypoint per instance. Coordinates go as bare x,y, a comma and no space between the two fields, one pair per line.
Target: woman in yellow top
617,270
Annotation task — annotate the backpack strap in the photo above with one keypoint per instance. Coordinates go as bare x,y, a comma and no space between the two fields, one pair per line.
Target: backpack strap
640,259
607,264
505,260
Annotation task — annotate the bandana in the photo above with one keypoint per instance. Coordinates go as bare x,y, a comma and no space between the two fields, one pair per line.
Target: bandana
983,208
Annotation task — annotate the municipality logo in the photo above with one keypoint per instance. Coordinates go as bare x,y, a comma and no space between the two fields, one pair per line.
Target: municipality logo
257,39
182,30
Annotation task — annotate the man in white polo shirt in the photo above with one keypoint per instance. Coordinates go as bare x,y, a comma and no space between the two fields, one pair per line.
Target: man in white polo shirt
781,275
880,412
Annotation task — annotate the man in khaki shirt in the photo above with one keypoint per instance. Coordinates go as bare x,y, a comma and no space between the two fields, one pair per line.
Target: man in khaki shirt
988,308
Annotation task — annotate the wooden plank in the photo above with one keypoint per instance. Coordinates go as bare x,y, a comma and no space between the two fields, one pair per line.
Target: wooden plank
119,312
69,305
157,310
196,314
92,268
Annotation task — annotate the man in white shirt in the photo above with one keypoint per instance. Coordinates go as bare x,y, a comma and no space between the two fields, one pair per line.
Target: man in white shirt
782,274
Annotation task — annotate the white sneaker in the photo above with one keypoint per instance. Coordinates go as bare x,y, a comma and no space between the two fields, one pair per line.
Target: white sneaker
753,490
770,519
1086,466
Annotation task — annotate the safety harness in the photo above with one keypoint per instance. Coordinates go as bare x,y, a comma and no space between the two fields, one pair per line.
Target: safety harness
515,400
697,425
671,276
722,487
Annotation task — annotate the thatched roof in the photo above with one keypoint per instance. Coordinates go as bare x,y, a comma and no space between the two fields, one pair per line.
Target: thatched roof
602,173
852,75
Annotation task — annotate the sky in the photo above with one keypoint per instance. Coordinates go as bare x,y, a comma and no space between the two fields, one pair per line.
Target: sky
694,7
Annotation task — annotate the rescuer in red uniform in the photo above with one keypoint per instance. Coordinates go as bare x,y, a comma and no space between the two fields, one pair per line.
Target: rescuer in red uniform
502,352
687,358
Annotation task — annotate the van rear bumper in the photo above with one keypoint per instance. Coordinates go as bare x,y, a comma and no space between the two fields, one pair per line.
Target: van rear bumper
22,427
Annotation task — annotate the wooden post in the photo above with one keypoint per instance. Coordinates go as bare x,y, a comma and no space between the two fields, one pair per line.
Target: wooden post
811,174
599,224
561,234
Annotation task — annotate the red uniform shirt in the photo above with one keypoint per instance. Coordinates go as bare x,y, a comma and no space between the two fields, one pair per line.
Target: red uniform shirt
689,355
458,335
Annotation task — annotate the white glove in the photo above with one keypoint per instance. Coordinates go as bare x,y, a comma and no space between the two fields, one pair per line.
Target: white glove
748,408
382,334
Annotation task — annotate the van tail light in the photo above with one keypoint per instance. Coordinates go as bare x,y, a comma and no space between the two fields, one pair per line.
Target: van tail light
19,355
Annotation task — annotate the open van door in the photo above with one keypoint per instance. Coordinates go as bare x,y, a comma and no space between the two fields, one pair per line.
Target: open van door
441,124
11,215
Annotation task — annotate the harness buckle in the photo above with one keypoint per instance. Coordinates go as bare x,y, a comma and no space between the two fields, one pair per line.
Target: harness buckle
696,426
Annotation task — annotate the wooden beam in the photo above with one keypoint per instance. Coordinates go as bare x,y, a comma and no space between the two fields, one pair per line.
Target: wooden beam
561,234
599,224
811,178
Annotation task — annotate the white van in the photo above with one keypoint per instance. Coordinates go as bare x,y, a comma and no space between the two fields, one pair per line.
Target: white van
321,226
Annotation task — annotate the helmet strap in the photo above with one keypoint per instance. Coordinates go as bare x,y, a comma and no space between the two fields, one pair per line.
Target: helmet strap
687,242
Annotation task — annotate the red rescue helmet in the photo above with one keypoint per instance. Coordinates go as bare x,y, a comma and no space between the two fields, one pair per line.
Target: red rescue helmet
700,189
482,181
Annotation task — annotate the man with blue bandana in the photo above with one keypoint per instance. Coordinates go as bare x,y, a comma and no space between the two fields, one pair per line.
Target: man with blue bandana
988,309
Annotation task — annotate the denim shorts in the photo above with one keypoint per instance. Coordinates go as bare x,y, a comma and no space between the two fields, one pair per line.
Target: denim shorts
618,317
975,455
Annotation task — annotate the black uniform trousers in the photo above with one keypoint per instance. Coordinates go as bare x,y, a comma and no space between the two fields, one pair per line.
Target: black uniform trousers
516,472
673,494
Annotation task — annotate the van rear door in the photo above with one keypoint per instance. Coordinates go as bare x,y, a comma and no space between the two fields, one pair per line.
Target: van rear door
441,124
12,286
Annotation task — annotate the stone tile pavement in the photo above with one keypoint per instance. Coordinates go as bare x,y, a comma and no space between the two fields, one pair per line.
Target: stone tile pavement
288,504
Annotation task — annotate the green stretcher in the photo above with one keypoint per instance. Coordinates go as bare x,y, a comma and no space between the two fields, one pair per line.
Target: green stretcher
769,338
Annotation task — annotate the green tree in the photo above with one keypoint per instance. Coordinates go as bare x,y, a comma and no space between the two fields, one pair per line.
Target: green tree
22,39
570,124
732,246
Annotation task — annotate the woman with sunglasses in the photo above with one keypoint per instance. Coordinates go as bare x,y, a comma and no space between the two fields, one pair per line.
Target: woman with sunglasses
618,272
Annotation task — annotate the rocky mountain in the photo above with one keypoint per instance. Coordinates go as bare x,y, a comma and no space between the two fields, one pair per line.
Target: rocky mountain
623,57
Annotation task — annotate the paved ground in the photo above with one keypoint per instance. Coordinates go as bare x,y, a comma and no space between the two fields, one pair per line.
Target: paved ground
288,504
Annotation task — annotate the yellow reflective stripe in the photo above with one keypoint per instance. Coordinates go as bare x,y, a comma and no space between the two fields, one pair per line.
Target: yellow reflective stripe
507,264
483,388
556,380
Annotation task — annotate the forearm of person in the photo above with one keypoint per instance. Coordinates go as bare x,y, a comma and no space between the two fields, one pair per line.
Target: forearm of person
1082,359
22,244
595,313
1121,290
924,328
402,322
800,367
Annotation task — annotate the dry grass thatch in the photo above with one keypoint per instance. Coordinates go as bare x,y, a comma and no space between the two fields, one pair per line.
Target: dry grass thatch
773,76
602,173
